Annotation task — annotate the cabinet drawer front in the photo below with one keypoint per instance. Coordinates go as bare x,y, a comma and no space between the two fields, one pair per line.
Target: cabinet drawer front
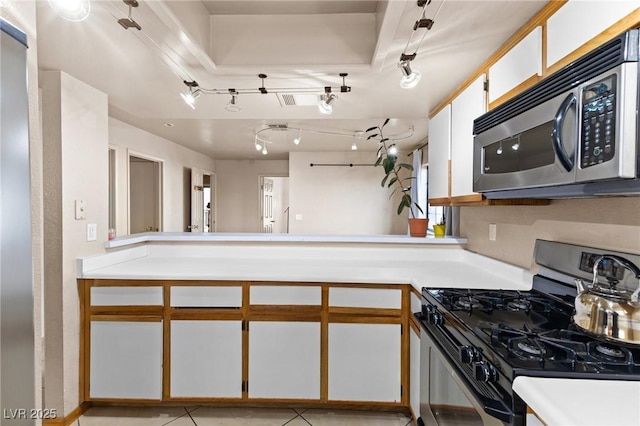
123,296
286,295
365,297
202,296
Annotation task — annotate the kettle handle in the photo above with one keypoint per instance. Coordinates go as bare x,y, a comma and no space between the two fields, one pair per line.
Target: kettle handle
635,296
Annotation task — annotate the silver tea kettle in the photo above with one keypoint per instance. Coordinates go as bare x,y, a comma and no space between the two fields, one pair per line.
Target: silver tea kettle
609,312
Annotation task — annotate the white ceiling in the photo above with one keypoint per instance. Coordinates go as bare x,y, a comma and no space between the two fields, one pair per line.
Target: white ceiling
298,44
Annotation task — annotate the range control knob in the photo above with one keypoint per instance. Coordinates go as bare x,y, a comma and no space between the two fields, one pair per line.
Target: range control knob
485,372
469,354
435,318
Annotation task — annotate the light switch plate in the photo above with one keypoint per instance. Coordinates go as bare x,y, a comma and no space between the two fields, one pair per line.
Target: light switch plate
80,209
92,232
298,216
492,231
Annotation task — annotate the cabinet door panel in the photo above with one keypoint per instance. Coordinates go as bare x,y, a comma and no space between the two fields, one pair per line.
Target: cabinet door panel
126,360
285,295
122,296
414,373
365,297
284,360
439,150
577,22
206,358
203,296
468,106
364,362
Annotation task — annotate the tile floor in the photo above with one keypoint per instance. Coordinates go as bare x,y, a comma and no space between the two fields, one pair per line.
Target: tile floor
213,416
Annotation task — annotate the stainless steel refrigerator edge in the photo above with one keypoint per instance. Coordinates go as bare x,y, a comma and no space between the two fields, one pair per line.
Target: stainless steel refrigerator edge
17,377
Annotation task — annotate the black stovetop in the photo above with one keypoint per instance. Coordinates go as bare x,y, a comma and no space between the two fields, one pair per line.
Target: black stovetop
531,333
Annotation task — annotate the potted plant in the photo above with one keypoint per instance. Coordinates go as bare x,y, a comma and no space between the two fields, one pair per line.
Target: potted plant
395,175
440,229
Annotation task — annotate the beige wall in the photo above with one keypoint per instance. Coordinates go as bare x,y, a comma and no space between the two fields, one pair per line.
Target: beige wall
610,223
340,200
238,192
75,137
175,158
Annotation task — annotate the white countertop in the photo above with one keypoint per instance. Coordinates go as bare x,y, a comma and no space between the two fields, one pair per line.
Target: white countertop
225,237
581,402
431,262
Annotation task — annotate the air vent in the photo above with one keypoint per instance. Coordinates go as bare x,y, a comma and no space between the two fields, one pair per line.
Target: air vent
617,51
288,100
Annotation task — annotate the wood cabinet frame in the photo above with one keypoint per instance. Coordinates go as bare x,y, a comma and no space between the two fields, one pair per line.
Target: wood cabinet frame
247,313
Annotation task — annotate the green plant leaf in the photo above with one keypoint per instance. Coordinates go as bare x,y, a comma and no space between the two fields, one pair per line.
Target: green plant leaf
386,122
384,180
372,136
406,166
392,181
388,164
400,207
378,161
419,208
384,140
370,129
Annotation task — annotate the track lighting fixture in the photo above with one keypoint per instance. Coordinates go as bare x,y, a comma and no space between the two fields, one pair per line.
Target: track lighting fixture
233,106
411,78
328,96
71,10
129,22
190,97
325,101
262,136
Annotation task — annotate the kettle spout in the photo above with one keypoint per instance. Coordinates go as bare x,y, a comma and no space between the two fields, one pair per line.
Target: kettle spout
579,285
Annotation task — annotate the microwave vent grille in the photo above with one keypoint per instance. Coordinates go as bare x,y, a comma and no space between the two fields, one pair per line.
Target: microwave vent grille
622,49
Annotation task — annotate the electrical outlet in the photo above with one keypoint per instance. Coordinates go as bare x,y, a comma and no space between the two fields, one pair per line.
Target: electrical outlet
92,232
492,231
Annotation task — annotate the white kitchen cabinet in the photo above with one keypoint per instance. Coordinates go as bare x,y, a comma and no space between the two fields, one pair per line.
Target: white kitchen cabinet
364,362
577,22
439,149
206,358
285,295
414,372
466,107
284,359
522,62
126,296
383,298
126,359
206,296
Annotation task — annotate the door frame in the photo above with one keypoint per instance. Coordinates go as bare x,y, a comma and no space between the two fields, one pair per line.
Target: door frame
160,161
214,199
261,177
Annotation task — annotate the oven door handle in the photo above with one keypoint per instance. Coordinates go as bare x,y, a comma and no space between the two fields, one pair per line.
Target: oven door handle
556,133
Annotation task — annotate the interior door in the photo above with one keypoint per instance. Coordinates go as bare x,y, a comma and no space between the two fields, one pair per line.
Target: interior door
267,205
144,195
197,200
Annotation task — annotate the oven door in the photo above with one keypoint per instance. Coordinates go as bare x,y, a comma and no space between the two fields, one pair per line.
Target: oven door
536,148
444,397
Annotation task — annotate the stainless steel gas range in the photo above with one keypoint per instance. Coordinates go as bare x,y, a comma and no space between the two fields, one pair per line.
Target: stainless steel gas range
475,342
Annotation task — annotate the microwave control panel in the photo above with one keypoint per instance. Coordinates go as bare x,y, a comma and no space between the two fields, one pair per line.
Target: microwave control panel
598,129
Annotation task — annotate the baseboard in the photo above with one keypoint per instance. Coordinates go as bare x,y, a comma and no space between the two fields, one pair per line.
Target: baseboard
69,418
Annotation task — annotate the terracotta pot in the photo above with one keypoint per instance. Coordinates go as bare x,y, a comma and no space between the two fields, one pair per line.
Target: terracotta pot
439,230
418,227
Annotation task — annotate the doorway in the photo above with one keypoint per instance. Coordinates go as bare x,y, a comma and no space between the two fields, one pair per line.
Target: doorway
274,204
203,201
145,194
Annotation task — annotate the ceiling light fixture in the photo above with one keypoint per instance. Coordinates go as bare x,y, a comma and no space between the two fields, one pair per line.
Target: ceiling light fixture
325,101
195,87
261,136
190,97
71,10
233,106
411,78
127,23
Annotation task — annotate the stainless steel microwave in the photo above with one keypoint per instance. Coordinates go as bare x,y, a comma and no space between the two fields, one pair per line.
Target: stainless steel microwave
573,134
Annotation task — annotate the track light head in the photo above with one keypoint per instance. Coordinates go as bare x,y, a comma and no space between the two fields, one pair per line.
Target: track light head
298,138
232,105
190,97
409,78
324,105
